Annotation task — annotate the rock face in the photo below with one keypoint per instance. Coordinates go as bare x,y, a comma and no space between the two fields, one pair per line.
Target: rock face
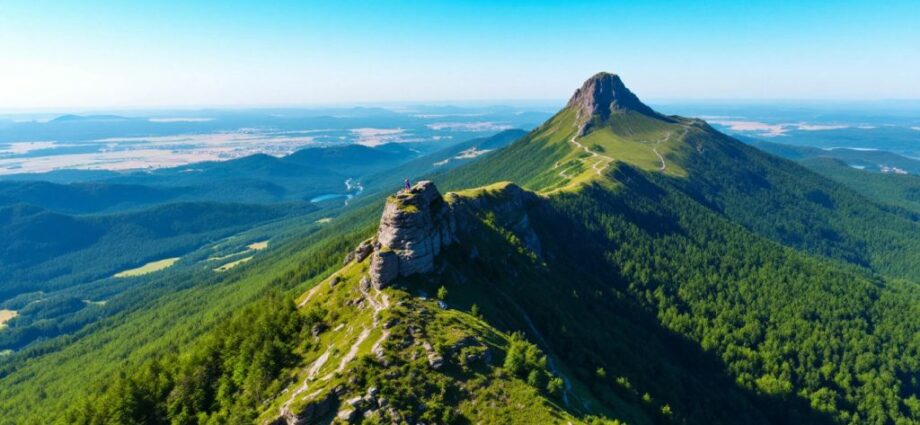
603,95
416,224
510,205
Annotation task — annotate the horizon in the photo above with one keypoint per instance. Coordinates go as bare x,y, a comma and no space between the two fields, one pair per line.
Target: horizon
177,56
890,105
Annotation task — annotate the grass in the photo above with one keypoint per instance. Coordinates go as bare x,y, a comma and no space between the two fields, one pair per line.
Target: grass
546,161
153,266
5,316
255,246
634,138
494,396
258,246
232,264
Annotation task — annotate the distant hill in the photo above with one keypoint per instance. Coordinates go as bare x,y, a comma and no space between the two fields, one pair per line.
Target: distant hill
89,118
870,160
43,249
84,197
894,189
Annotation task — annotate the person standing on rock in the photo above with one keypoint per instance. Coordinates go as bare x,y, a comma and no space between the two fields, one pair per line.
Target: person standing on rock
408,185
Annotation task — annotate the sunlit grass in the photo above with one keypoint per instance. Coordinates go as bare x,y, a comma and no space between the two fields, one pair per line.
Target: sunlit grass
153,266
6,316
232,264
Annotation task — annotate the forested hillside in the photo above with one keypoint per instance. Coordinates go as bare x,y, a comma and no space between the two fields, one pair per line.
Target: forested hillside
638,268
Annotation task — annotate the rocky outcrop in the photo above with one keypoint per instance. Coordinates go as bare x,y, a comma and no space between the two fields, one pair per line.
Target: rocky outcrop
359,253
510,205
416,224
603,95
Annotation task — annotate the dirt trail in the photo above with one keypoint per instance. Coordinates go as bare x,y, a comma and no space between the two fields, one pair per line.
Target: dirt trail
603,161
378,302
664,165
352,352
311,373
378,306
313,291
655,149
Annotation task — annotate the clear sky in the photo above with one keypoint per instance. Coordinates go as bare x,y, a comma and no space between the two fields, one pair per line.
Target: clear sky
210,53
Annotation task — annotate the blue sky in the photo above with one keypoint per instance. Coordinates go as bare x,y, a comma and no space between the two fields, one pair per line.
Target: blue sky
213,53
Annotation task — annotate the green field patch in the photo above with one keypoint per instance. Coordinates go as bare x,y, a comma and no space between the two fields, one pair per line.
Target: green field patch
6,316
232,264
255,246
258,246
153,266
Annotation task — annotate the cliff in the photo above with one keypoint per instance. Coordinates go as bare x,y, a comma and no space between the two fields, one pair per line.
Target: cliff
416,224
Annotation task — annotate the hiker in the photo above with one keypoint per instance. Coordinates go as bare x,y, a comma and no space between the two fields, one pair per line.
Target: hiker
408,185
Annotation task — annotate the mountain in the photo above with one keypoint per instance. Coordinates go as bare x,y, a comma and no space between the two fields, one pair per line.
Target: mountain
613,265
88,118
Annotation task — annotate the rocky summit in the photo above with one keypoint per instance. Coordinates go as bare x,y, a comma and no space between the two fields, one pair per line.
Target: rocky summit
415,225
603,95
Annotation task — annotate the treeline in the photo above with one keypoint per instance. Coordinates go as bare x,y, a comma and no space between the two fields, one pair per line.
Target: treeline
224,378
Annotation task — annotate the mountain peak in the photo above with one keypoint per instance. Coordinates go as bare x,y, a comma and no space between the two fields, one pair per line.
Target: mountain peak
605,94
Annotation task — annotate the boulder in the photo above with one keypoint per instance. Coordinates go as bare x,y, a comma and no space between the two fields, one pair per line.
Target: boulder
363,250
384,268
348,415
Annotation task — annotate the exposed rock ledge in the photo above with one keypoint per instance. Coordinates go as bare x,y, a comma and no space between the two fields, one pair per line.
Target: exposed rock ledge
416,224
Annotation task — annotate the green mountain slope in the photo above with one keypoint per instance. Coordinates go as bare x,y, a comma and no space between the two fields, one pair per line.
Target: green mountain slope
772,197
661,271
902,190
870,160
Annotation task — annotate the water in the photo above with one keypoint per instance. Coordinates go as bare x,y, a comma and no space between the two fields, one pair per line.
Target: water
352,188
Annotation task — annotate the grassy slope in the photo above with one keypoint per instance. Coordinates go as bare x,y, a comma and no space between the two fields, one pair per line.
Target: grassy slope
478,390
773,197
